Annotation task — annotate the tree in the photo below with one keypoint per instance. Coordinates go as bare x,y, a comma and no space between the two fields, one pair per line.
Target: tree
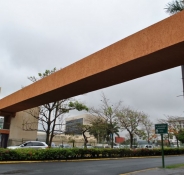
108,113
84,129
79,128
130,120
180,135
98,129
174,126
175,7
51,115
147,127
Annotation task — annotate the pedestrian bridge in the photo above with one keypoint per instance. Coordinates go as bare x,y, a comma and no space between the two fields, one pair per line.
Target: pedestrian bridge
153,49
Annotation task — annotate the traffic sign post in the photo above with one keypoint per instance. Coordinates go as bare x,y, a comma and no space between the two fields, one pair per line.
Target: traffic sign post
161,129
163,162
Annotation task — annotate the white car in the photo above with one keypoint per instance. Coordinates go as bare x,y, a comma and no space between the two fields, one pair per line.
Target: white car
147,146
88,146
65,146
30,144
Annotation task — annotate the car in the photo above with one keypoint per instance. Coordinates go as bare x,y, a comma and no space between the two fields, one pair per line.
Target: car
30,144
87,146
53,145
65,146
146,146
124,146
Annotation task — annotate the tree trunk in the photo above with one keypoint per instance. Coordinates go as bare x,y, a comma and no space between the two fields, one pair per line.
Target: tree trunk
85,140
131,140
168,140
148,139
112,143
177,143
73,142
51,138
47,137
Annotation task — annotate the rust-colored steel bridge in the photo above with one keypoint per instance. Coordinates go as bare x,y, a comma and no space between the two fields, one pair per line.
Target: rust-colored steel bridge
156,48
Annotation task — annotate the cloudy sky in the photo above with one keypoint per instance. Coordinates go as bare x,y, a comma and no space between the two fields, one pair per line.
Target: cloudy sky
36,35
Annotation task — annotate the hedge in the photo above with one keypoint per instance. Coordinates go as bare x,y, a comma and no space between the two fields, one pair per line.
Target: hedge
78,153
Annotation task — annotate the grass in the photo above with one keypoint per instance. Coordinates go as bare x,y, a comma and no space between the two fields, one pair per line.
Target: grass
175,166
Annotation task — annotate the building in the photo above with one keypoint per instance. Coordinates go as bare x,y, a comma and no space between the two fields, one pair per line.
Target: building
74,132
73,123
14,129
119,140
73,135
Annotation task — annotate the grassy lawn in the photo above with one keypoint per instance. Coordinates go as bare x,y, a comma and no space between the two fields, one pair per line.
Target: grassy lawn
175,166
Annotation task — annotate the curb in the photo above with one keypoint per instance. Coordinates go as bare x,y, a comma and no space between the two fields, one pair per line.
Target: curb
74,160
78,160
134,172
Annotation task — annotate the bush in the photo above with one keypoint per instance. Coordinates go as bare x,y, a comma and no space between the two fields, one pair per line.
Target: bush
79,153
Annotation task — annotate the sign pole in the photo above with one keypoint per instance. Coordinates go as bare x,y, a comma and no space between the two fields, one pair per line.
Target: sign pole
161,129
163,163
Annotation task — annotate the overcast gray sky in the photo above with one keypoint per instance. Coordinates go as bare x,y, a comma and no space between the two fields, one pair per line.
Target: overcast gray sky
36,35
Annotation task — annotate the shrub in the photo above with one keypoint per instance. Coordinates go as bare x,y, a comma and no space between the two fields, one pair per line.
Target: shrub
79,153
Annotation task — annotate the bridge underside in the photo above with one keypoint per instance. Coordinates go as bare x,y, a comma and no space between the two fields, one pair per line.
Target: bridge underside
156,48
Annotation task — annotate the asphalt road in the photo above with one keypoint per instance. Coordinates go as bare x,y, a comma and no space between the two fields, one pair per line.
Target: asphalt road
94,167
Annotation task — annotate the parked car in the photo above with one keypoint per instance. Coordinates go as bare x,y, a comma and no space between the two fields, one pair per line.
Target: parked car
65,146
147,146
116,146
53,145
30,144
124,146
101,146
87,146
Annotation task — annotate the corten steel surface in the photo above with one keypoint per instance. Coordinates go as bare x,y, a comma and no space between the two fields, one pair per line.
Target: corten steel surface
156,48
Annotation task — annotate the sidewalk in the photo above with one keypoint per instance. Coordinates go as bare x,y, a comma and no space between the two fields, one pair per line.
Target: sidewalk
158,171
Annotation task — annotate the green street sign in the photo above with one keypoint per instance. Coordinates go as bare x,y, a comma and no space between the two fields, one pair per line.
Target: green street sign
161,128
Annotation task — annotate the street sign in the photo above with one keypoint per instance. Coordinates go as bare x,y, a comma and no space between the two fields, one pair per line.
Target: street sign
161,128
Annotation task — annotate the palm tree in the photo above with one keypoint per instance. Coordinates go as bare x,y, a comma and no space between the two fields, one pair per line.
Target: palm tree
111,130
173,8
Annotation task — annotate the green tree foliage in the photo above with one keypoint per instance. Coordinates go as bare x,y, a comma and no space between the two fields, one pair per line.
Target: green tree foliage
98,129
175,7
130,121
102,130
51,115
83,129
174,126
180,136
107,113
111,130
147,127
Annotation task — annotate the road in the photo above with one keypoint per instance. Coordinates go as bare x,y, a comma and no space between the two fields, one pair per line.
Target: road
93,167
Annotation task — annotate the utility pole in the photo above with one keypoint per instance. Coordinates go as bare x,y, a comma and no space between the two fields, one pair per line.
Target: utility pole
182,72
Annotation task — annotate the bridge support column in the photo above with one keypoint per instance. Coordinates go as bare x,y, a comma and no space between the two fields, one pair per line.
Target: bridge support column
5,131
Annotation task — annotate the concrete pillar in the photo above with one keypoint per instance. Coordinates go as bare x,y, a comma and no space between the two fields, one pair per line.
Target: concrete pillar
23,127
4,136
4,140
